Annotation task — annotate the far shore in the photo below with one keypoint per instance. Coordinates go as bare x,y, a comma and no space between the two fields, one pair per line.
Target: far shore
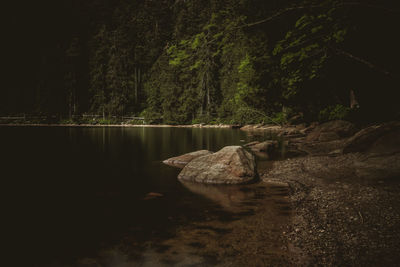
120,125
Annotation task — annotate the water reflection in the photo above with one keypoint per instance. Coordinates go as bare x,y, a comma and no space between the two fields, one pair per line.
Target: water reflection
230,198
73,191
213,240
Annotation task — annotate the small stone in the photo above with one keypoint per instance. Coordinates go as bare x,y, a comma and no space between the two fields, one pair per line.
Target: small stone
152,195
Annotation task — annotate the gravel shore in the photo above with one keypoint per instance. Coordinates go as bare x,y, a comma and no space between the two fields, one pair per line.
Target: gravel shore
340,218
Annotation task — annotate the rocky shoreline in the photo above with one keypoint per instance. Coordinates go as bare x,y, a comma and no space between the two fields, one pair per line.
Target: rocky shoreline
345,196
344,190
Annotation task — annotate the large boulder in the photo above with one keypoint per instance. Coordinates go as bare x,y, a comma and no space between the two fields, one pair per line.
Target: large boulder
377,139
230,165
332,130
184,159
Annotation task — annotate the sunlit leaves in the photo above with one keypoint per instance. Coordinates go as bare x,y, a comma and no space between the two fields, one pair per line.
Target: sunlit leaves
339,35
303,22
306,48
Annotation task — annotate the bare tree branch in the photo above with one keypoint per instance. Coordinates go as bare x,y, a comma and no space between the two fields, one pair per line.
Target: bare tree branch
278,14
290,9
363,61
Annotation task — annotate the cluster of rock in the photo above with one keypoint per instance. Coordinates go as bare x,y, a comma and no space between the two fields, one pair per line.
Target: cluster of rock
331,138
372,152
378,149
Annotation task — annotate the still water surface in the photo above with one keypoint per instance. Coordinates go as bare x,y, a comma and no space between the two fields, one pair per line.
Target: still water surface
71,192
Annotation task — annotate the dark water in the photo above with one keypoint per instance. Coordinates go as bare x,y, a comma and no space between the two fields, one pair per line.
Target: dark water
67,193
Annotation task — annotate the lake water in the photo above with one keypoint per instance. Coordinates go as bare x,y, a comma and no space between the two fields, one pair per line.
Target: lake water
72,192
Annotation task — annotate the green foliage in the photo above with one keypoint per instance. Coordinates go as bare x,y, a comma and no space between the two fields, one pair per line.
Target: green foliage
246,115
204,119
336,112
246,88
280,118
108,121
151,117
67,121
177,57
307,49
283,116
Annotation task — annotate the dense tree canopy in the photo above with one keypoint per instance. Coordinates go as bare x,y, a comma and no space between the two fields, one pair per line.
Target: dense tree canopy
185,61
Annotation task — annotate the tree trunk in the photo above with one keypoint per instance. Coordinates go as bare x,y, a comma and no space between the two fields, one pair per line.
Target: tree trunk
208,94
136,85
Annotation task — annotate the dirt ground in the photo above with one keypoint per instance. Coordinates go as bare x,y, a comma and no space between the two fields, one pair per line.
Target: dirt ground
339,218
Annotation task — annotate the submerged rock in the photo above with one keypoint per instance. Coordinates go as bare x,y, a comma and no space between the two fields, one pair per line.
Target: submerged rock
251,144
264,150
184,159
230,165
266,146
152,195
230,198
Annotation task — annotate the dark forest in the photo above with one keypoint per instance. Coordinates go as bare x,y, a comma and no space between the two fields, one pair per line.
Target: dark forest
186,61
